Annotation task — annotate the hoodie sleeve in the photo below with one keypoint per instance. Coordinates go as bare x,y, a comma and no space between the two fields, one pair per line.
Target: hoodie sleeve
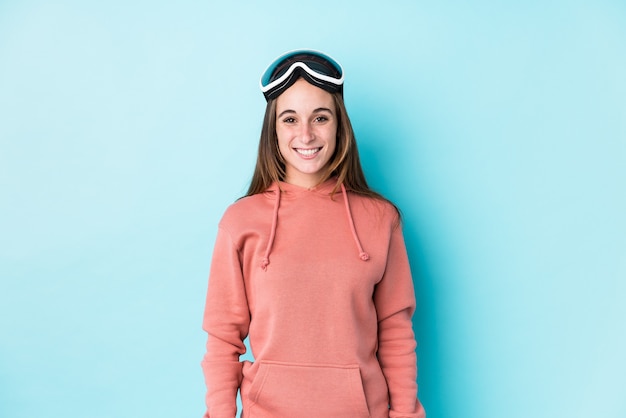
226,321
395,303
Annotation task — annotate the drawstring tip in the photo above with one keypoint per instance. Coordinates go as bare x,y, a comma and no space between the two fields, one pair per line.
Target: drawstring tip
364,256
264,263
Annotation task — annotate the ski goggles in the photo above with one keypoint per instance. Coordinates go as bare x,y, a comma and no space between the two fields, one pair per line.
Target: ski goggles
315,67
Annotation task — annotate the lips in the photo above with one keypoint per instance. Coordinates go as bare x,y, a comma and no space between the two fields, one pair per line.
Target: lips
308,152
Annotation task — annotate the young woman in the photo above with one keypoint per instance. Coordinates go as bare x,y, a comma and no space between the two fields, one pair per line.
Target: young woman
311,266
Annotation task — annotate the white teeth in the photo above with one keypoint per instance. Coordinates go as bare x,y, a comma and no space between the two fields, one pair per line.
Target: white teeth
307,152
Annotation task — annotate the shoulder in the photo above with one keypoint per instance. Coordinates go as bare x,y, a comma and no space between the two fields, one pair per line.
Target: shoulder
375,208
247,210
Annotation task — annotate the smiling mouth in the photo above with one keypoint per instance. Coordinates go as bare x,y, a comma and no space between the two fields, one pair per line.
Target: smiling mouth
308,152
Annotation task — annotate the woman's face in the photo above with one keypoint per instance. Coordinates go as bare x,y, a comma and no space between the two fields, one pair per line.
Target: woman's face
306,126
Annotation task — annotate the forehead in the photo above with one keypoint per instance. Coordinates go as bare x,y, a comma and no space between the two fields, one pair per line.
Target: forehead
302,96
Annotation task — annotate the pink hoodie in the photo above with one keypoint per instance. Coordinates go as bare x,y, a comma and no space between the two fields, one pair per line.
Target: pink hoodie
323,289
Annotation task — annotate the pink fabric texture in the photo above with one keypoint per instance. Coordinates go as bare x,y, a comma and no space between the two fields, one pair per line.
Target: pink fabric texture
330,329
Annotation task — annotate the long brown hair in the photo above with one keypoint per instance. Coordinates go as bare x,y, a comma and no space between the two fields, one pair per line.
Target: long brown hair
345,163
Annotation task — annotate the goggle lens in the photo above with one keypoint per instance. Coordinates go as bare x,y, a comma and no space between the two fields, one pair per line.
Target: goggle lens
317,67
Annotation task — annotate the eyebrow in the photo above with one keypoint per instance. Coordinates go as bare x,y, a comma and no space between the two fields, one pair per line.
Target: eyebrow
318,110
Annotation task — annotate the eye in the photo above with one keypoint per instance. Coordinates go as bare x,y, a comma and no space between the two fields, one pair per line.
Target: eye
289,120
321,118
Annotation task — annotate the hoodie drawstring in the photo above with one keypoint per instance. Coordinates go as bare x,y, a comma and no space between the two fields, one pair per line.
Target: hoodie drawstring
362,254
266,257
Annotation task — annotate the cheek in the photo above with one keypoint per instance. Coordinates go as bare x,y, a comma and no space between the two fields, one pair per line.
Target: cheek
332,138
282,138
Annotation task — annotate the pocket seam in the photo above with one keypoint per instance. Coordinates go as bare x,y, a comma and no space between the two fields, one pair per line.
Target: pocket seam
358,392
310,365
355,381
262,374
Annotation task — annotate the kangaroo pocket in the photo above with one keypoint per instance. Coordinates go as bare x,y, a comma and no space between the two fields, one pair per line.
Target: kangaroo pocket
287,390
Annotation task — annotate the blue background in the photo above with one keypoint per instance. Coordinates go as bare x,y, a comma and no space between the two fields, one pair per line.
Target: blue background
499,128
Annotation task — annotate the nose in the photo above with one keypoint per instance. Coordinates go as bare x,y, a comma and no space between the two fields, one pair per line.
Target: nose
306,134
